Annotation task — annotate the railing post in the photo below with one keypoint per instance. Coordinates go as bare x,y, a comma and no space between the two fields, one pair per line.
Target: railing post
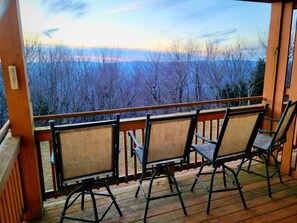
19,106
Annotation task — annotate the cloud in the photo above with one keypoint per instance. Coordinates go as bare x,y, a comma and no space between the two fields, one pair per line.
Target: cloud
139,4
220,40
166,4
133,6
205,12
75,7
219,34
49,32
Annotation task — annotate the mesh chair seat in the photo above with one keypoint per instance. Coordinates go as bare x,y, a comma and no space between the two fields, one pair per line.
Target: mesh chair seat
262,142
207,150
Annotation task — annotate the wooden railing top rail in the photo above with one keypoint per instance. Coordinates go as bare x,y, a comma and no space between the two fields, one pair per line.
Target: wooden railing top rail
4,130
42,133
9,150
145,108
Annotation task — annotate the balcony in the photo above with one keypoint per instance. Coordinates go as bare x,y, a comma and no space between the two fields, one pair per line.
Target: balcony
226,205
26,188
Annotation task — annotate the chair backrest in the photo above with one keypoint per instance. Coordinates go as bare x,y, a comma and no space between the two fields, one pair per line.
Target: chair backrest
83,152
169,137
237,134
285,122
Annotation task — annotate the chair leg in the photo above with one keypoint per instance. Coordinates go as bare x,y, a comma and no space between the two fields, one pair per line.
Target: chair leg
224,176
170,183
94,204
277,169
114,200
238,186
240,165
244,160
68,204
82,200
249,166
139,184
210,189
178,192
148,197
198,174
266,162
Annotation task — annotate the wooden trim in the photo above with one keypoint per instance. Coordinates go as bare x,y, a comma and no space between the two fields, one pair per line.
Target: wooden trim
19,185
145,108
17,192
8,202
9,150
2,211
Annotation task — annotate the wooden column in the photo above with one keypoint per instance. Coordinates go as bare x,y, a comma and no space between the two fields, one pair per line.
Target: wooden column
292,92
19,107
276,66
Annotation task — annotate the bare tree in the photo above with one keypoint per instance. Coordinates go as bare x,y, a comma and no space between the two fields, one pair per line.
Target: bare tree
214,70
197,80
3,106
32,45
177,73
108,71
238,65
259,48
151,72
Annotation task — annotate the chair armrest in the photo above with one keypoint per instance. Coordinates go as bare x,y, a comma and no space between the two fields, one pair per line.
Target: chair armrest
271,119
266,131
205,139
53,158
133,141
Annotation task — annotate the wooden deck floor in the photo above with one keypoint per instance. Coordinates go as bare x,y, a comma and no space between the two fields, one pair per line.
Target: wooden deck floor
225,206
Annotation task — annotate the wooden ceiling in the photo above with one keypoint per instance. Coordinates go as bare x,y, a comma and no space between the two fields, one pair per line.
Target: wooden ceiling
271,1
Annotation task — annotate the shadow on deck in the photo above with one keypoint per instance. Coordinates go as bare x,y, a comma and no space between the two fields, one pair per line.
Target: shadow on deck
225,206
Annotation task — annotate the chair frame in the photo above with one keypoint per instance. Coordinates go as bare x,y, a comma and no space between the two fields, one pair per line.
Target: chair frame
274,145
220,162
85,184
161,169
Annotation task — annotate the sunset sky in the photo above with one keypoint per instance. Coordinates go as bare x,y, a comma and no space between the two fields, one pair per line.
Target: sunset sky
143,24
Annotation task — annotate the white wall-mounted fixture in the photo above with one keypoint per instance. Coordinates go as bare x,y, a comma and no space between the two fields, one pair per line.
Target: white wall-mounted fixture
13,77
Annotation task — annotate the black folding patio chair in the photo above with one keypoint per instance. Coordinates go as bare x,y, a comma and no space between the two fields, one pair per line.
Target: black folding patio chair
167,143
235,140
268,142
86,156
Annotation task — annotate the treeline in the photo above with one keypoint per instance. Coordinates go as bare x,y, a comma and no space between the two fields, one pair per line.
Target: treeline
64,80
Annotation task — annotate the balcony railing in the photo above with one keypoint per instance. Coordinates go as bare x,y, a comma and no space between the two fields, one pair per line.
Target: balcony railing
208,125
11,197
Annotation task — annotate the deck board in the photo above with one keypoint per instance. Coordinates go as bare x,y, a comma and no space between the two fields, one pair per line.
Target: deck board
225,206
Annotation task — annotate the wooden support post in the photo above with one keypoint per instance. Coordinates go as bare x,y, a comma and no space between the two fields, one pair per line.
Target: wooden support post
276,68
292,92
19,106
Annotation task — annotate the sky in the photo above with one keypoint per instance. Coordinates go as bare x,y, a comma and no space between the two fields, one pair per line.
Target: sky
143,24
